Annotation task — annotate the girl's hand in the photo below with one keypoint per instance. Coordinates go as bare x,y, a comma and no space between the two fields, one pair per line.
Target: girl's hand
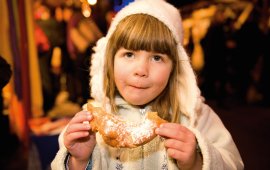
181,145
79,139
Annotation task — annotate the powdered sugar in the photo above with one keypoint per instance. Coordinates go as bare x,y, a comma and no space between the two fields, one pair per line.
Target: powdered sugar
110,126
141,131
128,132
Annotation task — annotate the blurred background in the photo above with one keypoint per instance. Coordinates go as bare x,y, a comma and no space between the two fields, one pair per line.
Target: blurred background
46,47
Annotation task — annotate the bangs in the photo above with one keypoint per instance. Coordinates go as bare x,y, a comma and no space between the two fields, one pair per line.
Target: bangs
144,32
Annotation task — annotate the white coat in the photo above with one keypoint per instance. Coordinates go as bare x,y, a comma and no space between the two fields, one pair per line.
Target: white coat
217,146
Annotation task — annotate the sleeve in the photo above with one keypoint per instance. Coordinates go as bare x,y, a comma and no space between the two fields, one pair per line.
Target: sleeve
59,161
217,146
62,156
88,167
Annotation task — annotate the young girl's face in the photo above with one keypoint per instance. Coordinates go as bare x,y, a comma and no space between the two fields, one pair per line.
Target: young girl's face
140,76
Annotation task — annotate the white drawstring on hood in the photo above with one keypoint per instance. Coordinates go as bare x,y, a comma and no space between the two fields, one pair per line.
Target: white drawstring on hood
170,16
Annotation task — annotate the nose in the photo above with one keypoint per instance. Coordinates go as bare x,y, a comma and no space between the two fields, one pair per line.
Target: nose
141,68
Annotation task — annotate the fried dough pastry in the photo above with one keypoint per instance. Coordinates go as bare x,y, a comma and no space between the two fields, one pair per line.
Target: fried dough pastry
123,134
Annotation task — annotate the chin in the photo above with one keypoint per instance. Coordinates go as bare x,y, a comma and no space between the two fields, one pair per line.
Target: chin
138,102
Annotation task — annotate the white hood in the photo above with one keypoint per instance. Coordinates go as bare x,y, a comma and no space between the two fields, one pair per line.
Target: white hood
170,16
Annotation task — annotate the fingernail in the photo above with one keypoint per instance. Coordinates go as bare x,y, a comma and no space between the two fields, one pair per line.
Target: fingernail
89,117
86,122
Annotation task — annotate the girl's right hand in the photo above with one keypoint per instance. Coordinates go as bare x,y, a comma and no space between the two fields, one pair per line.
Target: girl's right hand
79,139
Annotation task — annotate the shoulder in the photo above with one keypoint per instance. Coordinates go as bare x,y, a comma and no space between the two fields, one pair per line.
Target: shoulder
206,116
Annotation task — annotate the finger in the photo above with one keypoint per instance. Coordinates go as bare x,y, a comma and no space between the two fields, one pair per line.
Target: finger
174,126
175,131
174,144
188,147
81,117
71,138
78,127
181,157
176,154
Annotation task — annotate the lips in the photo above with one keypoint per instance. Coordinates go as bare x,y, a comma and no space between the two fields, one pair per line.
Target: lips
138,87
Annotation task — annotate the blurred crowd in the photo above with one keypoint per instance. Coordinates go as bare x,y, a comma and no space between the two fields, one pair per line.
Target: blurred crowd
229,48
227,42
65,38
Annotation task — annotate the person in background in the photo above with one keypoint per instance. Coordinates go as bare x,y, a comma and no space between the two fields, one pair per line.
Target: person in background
7,138
141,66
5,76
82,34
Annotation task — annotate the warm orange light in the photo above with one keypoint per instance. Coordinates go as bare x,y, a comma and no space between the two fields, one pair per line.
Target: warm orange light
86,10
92,2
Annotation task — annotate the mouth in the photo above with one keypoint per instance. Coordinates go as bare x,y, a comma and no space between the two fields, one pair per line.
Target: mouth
138,87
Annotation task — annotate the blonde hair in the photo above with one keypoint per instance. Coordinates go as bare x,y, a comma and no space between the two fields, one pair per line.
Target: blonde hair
144,32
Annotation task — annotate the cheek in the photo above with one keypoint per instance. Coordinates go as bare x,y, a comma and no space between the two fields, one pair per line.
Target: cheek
162,82
118,78
119,74
162,77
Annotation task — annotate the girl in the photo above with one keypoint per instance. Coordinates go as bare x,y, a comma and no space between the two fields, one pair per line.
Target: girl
141,66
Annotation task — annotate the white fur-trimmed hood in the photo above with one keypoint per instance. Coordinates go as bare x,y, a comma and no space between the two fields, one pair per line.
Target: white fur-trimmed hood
170,16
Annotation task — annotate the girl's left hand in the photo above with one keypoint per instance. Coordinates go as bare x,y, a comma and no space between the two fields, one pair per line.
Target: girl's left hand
181,145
